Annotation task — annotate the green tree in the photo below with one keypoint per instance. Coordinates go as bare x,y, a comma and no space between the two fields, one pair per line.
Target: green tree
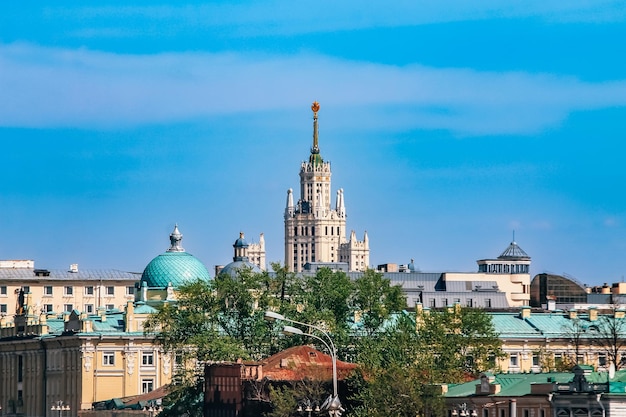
575,331
396,390
414,354
458,341
220,320
376,300
610,335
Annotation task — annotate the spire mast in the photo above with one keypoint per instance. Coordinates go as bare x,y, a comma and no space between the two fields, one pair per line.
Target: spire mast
315,107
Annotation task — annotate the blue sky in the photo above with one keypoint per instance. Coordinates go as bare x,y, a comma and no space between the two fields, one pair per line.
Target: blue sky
449,125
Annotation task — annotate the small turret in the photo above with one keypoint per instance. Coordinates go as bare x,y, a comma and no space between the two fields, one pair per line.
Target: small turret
175,241
289,207
341,208
319,206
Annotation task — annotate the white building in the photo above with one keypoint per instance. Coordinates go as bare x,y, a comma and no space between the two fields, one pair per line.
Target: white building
314,231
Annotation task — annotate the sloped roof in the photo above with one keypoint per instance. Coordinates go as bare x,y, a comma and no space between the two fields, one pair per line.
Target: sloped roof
511,385
28,274
547,325
299,362
513,251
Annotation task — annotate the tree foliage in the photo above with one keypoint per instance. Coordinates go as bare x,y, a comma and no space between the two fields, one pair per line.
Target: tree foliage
610,336
376,300
416,354
400,354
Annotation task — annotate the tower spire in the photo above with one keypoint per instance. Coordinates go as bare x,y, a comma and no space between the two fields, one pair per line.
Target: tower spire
315,158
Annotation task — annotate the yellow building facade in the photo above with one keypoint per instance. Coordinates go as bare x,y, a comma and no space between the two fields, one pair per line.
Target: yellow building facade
77,359
58,291
541,341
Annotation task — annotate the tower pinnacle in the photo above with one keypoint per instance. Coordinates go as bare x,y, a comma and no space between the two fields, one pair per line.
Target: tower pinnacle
315,158
175,238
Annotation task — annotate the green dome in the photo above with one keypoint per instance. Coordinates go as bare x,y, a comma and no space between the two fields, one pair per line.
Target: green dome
174,266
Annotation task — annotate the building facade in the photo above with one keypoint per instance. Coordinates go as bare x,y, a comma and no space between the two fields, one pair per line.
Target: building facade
74,359
58,291
314,231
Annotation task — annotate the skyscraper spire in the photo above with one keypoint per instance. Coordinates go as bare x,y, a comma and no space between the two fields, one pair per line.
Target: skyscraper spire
315,157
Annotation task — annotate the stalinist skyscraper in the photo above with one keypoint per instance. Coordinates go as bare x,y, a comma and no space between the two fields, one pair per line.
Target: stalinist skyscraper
315,232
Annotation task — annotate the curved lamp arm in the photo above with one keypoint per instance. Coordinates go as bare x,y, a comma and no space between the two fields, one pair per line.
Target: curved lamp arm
271,316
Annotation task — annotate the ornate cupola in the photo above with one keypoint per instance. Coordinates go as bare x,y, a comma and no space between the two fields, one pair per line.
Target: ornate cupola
241,249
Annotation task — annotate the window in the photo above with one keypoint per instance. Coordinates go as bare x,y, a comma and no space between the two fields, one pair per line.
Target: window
535,359
88,308
47,290
147,358
26,289
485,412
514,360
457,301
20,368
68,307
68,290
108,358
48,308
89,290
147,385
470,302
526,412
110,306
432,303
3,308
502,413
130,290
601,359
110,291
3,290
488,302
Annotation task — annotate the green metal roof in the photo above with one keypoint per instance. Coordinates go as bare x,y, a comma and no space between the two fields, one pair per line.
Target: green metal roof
545,325
176,268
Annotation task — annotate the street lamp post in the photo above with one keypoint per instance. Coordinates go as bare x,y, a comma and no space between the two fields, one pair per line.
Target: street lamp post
60,407
464,411
332,404
308,408
153,410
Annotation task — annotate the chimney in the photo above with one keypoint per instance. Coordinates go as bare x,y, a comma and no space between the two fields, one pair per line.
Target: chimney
103,314
74,268
525,313
573,314
619,313
130,319
593,314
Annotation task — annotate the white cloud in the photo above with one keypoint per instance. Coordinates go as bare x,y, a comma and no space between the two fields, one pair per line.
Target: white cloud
61,87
